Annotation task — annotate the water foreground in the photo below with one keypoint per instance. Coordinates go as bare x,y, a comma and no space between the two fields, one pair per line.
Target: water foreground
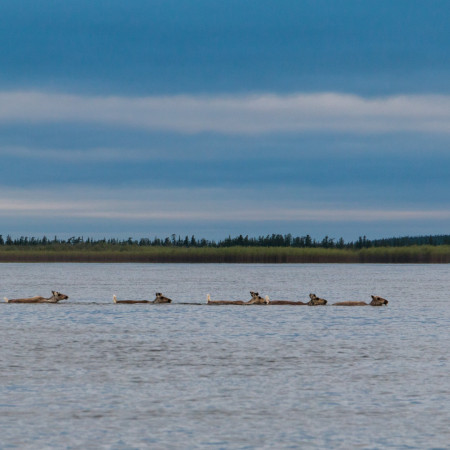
91,374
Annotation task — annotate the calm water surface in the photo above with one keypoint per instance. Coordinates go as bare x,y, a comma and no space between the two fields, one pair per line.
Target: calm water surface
90,374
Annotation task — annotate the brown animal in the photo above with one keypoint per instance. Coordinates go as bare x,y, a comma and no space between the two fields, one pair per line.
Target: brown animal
223,302
315,301
376,301
55,298
350,304
257,299
129,301
286,302
159,299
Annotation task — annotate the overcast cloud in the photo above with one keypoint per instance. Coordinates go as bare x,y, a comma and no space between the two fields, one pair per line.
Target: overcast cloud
216,118
254,114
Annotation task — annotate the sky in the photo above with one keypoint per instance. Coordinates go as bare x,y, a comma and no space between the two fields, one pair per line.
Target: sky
156,117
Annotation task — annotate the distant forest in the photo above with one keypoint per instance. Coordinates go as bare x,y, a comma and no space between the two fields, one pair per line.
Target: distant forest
274,240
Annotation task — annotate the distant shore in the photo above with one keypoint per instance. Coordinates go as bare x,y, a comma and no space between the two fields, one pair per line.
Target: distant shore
269,255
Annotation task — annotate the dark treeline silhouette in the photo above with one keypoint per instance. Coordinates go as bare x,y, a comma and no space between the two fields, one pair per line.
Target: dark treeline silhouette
274,240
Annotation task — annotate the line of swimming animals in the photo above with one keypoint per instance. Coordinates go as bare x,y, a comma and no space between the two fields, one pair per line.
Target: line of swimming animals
255,300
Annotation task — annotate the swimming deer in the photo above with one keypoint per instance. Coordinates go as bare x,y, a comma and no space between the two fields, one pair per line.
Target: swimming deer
255,300
55,298
223,302
286,302
315,301
376,301
159,299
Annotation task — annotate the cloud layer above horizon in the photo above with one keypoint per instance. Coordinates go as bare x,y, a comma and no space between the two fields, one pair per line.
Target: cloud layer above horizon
322,118
256,114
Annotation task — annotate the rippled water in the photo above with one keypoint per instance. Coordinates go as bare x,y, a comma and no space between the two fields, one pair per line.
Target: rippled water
90,374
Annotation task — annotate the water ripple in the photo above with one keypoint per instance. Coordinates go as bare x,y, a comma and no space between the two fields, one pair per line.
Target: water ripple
91,374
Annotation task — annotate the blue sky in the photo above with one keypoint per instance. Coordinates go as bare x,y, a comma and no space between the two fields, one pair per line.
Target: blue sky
147,118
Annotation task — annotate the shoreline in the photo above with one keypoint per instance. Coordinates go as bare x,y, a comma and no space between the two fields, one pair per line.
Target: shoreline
230,255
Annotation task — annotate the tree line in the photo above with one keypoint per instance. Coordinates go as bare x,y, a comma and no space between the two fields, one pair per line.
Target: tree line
273,240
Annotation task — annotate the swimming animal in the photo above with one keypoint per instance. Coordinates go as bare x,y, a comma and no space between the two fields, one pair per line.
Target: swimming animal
286,302
159,299
55,298
130,301
376,301
315,301
255,300
223,302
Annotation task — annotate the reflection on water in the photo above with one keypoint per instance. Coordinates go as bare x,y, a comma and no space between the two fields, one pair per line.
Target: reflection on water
91,374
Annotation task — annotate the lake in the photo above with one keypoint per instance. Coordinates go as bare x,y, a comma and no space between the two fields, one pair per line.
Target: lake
87,373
